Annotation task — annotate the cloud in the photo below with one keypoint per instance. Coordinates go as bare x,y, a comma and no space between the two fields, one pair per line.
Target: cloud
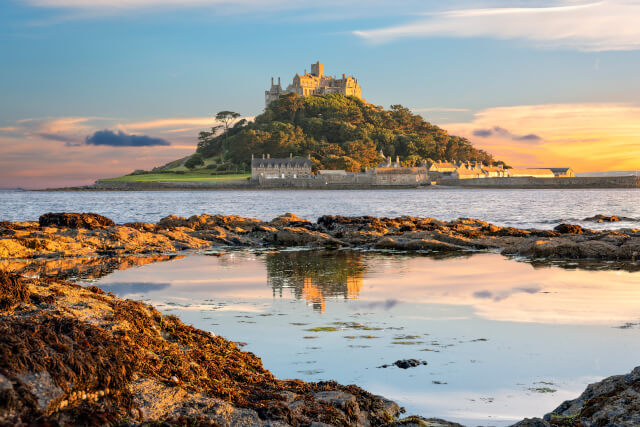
52,152
121,139
504,133
600,26
587,137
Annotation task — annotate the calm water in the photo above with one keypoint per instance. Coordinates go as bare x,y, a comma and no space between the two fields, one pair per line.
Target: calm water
503,340
520,208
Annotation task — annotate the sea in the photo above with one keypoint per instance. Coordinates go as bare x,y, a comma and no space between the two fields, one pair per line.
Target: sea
533,208
501,338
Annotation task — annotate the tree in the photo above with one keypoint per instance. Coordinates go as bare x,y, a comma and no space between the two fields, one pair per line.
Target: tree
226,117
290,104
193,161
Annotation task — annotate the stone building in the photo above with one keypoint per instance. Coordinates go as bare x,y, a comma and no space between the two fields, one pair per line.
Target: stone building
563,172
291,167
400,176
314,83
464,173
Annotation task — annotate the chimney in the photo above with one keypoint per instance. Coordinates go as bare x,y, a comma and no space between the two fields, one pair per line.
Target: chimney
344,76
271,81
278,81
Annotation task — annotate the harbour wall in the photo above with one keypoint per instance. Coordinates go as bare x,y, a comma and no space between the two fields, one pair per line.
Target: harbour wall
530,182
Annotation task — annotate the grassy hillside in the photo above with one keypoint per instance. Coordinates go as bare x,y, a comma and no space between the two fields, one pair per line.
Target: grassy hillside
192,176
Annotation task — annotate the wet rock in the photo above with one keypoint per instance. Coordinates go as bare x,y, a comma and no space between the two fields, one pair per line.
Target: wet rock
173,221
614,401
290,220
398,243
568,229
89,221
42,387
532,422
406,363
416,421
174,233
337,398
298,236
605,218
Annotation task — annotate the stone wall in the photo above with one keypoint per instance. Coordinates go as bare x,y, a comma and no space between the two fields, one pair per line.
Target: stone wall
171,185
529,182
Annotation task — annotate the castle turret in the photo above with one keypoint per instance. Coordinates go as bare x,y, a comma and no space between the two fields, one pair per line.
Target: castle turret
317,69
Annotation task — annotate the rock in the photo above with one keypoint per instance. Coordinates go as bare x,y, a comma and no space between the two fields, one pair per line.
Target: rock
290,220
605,218
532,422
415,244
173,221
416,421
89,221
614,401
336,398
42,387
568,229
297,236
406,363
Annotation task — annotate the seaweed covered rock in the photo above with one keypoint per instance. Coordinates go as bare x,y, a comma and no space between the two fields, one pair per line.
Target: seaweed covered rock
75,220
569,229
71,355
614,401
90,235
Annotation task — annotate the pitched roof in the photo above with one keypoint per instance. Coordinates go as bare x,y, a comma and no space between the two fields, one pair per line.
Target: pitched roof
299,162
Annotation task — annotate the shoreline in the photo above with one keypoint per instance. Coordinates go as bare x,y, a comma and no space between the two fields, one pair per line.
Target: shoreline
74,235
625,182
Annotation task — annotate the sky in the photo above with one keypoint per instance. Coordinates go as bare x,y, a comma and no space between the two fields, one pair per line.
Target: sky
98,88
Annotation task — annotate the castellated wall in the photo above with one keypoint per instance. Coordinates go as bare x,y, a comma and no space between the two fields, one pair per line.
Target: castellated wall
529,182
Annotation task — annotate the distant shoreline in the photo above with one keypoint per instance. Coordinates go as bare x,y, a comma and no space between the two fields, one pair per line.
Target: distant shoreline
628,182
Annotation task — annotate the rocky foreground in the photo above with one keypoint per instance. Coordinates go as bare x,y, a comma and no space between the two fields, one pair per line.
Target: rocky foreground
73,355
82,235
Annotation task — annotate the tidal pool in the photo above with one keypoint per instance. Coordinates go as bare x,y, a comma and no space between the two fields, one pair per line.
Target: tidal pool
502,339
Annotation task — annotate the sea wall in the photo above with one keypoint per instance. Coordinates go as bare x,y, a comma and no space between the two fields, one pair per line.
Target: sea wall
529,182
171,185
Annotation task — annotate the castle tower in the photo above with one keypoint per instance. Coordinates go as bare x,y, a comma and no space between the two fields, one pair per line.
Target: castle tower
317,69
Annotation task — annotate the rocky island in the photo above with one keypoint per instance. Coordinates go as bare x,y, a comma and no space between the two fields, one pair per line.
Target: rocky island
77,355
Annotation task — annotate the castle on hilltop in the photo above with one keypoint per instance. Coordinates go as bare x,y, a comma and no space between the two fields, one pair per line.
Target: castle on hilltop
314,83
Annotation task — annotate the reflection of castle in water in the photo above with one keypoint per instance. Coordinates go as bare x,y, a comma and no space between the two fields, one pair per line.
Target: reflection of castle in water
316,275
